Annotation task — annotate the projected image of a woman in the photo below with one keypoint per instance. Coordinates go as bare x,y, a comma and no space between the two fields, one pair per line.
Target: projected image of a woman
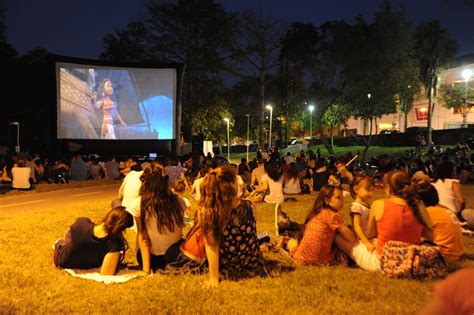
109,110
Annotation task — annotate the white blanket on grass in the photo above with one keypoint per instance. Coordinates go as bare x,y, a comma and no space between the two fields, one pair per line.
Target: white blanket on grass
122,276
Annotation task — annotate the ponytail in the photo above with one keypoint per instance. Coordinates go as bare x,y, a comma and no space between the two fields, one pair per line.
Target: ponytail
115,222
401,186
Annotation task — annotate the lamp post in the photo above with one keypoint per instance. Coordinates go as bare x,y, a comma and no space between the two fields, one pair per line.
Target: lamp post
466,74
271,118
17,124
311,108
228,139
248,133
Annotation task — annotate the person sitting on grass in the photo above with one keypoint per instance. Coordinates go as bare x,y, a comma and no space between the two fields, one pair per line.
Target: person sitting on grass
229,228
446,226
323,228
272,184
159,214
292,181
399,217
179,188
361,190
21,176
89,245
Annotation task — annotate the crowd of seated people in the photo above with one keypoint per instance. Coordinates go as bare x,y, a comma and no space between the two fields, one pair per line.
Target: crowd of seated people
424,201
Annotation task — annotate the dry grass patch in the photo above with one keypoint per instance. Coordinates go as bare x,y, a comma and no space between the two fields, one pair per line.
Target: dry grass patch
30,283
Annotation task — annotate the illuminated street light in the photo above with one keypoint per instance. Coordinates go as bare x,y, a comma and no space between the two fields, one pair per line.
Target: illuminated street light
228,138
311,109
271,118
248,132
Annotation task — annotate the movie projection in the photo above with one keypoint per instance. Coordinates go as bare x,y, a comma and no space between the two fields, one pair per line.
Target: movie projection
108,103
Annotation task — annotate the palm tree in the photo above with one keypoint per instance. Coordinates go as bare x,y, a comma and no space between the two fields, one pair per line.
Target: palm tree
435,49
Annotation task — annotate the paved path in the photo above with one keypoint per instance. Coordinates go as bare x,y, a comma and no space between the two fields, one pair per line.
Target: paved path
13,205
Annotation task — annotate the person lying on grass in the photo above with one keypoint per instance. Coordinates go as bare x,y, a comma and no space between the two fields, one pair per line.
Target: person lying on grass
89,245
229,228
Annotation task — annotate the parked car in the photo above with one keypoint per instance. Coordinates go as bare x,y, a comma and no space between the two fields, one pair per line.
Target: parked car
388,132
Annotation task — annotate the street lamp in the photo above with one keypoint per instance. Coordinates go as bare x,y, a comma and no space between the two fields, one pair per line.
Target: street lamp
17,124
271,118
228,139
248,141
466,74
311,108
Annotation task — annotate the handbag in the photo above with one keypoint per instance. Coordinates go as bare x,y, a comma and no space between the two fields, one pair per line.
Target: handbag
194,246
420,261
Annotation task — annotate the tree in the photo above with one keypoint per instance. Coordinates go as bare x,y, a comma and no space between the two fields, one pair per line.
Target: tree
193,32
435,49
8,54
35,56
459,97
256,49
378,72
334,116
209,119
296,57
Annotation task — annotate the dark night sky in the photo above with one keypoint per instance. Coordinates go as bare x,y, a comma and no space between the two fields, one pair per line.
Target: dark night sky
76,28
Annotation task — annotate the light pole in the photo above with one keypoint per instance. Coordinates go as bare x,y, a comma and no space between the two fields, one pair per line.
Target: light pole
466,74
311,108
248,133
271,118
17,124
228,139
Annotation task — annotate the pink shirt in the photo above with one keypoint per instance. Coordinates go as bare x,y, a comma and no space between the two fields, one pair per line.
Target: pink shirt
315,248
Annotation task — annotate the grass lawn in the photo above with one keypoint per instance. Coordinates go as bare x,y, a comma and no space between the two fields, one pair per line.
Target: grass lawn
338,151
30,283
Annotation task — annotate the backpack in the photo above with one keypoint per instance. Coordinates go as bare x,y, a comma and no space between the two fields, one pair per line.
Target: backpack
419,261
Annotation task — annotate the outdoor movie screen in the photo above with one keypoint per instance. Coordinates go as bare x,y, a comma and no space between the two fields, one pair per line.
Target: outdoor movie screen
112,103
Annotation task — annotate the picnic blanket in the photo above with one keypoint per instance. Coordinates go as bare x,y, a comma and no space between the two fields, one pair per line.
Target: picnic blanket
122,276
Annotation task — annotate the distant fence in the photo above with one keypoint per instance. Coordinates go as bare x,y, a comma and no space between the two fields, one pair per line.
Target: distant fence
407,139
441,137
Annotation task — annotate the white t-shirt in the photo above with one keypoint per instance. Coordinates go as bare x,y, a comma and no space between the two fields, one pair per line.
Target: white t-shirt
130,187
258,173
292,187
21,177
275,188
160,242
240,182
446,194
197,188
364,211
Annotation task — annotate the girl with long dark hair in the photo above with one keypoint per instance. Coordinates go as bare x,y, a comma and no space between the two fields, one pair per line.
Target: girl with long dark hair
159,214
229,228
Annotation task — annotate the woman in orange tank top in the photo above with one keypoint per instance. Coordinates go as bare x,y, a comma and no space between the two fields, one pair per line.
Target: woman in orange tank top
400,217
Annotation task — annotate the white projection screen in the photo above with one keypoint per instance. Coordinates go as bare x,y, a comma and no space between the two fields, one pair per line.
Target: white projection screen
115,103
